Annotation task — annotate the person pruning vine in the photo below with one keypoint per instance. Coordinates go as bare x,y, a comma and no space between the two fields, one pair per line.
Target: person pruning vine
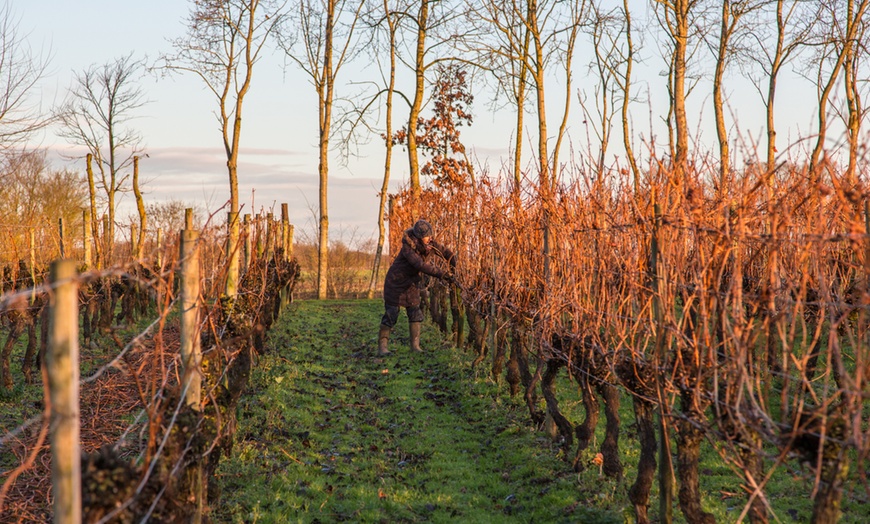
401,285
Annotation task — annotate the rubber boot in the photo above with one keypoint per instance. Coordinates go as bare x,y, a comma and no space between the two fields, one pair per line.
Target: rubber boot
415,336
383,340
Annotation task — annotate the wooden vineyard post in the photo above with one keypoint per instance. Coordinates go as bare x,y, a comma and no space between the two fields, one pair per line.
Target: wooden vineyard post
191,355
492,310
33,265
260,244
232,284
61,234
666,471
287,248
108,243
863,352
270,236
62,366
246,234
285,231
134,244
160,247
86,238
190,351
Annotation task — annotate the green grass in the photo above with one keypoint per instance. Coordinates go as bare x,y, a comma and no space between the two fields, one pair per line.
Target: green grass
330,433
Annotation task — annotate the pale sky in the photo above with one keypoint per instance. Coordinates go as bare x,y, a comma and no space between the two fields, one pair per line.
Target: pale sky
278,159
186,161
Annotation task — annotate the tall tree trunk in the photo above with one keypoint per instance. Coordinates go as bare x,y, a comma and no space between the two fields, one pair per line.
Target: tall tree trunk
388,156
681,37
771,90
521,102
539,77
569,54
140,206
544,175
854,12
626,98
416,106
326,97
231,144
853,97
110,230
725,31
92,195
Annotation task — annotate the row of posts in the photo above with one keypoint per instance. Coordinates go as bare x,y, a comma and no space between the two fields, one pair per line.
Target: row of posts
62,366
284,239
277,235
62,358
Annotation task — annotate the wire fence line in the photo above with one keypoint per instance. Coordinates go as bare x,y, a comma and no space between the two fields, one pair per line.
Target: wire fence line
134,386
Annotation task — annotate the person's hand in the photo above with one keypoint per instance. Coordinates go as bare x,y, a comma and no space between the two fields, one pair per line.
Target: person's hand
450,279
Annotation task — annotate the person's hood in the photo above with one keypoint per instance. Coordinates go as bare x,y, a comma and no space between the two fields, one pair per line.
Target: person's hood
409,239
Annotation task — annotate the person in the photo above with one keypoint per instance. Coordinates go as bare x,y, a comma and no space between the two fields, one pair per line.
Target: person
403,278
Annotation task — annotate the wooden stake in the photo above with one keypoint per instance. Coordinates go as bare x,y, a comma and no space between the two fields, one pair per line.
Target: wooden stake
285,231
191,356
60,230
248,235
232,283
108,243
666,471
86,237
270,235
159,247
62,366
134,241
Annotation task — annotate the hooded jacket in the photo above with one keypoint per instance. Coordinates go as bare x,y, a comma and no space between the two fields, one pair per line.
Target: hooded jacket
401,283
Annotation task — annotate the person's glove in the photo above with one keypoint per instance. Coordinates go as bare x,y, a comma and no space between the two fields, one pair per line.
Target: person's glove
449,279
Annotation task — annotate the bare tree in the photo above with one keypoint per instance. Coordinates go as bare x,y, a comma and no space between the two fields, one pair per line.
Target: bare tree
100,104
676,18
388,20
535,22
32,195
614,44
731,35
20,71
422,20
326,31
789,32
575,11
853,73
434,34
224,41
169,215
845,22
606,28
519,41
503,52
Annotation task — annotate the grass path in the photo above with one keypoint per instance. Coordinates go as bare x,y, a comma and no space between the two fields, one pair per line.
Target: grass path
329,433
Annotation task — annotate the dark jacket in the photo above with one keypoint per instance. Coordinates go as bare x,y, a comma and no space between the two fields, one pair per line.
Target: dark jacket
400,284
